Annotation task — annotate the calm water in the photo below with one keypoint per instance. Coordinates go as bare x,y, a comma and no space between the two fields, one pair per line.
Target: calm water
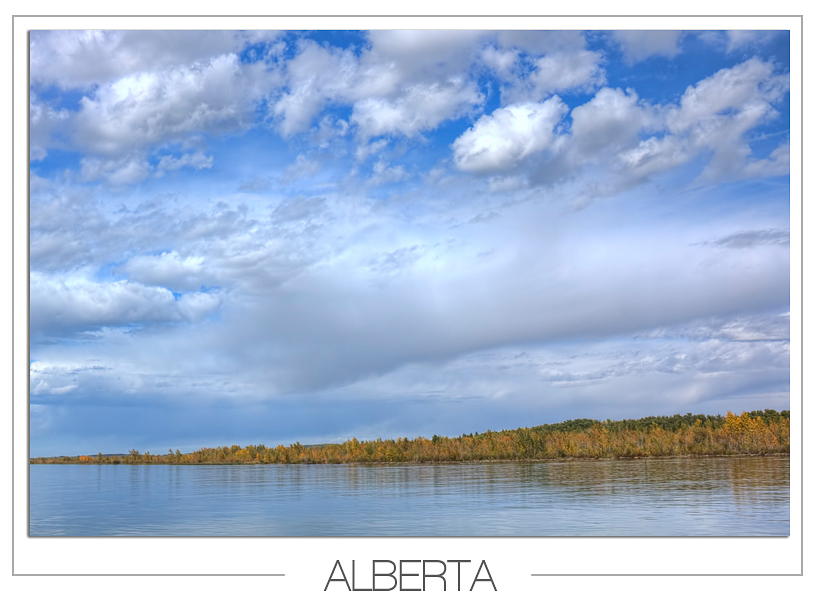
677,497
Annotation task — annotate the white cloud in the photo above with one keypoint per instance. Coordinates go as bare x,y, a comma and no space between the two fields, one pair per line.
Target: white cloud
314,77
535,64
778,163
120,170
194,306
409,82
389,301
511,134
371,148
595,151
714,117
424,54
501,61
384,173
120,122
717,114
151,108
71,305
331,325
329,131
301,168
742,39
654,156
616,140
638,45
168,270
44,380
44,120
197,160
566,71
82,59
143,90
737,89
406,83
415,109
611,120
541,42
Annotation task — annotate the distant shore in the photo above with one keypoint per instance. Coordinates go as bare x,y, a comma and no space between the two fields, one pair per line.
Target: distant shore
74,461
755,433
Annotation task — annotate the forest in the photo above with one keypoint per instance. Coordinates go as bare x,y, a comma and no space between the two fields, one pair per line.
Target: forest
753,433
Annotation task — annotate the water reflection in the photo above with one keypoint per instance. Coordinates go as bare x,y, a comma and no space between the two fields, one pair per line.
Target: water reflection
674,497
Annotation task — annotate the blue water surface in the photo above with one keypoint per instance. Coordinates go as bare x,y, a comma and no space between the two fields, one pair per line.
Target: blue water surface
742,496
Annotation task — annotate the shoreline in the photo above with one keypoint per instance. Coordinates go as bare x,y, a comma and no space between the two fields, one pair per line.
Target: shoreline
691,456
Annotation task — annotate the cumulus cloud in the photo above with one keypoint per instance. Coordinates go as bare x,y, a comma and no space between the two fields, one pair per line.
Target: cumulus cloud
59,306
315,77
613,119
562,72
416,108
603,131
408,82
502,62
148,108
627,140
718,112
742,88
193,306
82,59
509,135
630,140
168,270
405,83
130,110
535,64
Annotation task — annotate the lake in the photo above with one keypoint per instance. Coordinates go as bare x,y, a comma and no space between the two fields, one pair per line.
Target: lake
738,496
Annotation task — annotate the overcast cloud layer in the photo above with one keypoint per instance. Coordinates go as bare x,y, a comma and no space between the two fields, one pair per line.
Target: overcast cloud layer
264,237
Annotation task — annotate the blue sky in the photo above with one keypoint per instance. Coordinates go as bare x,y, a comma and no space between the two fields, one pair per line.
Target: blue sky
264,237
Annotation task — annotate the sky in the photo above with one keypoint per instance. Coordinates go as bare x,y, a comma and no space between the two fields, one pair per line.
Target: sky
267,237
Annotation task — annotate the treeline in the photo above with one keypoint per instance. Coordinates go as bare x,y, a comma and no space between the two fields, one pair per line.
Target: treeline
755,433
